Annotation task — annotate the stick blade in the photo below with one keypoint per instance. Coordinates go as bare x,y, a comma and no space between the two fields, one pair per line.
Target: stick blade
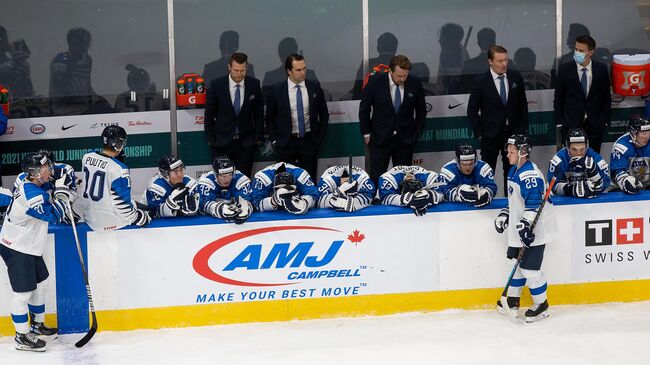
93,329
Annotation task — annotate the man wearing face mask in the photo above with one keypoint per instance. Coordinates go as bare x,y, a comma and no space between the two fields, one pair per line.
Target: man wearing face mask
582,94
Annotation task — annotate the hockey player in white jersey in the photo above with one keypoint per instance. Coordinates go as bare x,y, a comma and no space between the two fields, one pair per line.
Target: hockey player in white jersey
410,186
23,240
59,170
526,189
579,171
467,179
283,186
630,159
345,191
226,192
171,193
107,191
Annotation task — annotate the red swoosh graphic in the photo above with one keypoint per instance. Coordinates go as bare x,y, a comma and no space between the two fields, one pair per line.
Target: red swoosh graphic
200,262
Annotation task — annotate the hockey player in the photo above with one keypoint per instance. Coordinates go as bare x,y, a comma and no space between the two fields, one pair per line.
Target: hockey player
283,186
343,192
525,194
59,170
107,191
467,179
5,200
225,192
630,159
410,186
579,171
23,240
170,192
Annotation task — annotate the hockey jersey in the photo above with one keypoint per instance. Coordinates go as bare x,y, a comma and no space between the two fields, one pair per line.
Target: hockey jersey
627,158
391,180
526,188
159,188
263,186
566,174
27,219
210,190
107,203
451,177
331,179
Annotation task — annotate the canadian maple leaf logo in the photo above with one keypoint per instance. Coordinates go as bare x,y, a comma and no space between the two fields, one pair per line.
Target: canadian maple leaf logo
356,236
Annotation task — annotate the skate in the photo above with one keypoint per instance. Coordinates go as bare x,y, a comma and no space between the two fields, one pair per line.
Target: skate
40,330
29,342
513,303
537,312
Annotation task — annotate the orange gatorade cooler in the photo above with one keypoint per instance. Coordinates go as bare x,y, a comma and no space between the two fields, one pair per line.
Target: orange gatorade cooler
631,74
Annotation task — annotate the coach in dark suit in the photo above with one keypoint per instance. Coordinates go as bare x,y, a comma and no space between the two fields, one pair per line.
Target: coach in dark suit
582,95
391,116
497,108
297,117
234,114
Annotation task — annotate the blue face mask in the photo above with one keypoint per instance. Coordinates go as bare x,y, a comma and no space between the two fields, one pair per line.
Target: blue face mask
579,57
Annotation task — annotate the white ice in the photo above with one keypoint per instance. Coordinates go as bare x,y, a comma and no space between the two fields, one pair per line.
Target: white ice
615,333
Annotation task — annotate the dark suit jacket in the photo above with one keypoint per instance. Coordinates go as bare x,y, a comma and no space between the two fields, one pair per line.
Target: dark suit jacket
278,113
220,120
485,98
408,122
570,103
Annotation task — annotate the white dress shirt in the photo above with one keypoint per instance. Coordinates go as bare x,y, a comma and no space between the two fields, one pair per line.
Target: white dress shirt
589,75
497,82
293,91
393,86
233,88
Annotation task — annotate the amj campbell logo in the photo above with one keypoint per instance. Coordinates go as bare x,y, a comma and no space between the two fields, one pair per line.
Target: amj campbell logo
280,256
601,232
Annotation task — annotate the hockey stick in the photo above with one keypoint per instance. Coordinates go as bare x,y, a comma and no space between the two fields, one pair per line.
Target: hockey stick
93,327
522,250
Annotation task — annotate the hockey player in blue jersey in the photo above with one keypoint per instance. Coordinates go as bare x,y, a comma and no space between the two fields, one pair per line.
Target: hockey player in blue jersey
467,179
23,239
107,192
225,192
171,193
579,171
5,200
630,159
283,186
343,192
526,189
410,186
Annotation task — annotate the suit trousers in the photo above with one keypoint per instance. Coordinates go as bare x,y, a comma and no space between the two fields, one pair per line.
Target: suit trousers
242,155
490,149
302,152
380,156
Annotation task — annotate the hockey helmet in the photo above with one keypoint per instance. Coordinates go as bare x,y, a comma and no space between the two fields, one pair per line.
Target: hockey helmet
576,135
410,184
47,153
32,163
114,137
168,163
283,177
223,165
522,142
465,152
639,124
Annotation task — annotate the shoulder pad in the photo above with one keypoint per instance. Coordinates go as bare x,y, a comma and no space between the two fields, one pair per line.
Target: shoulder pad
34,195
208,179
620,148
446,173
486,170
529,174
602,165
190,183
304,178
390,178
263,177
156,188
556,160
242,180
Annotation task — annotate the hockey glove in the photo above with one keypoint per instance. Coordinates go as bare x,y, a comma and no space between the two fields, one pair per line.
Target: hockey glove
142,218
62,188
465,194
246,209
347,188
342,203
484,198
526,235
406,198
501,222
629,184
296,205
190,204
582,189
283,194
226,210
424,198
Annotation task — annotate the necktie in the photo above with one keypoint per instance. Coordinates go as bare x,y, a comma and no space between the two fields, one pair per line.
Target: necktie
301,112
502,90
584,80
397,102
237,102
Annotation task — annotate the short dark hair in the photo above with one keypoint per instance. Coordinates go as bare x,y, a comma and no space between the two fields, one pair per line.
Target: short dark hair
401,61
495,49
238,57
288,63
586,39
